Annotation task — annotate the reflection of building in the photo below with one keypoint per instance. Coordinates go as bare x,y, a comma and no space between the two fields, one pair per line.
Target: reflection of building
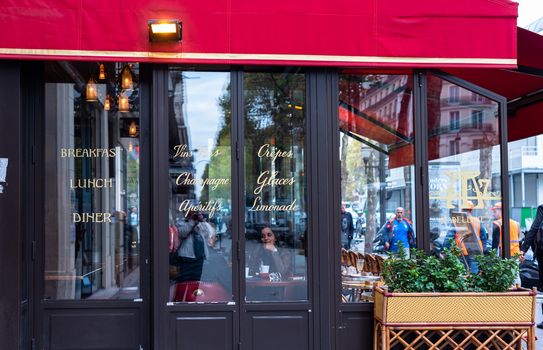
525,178
181,155
466,122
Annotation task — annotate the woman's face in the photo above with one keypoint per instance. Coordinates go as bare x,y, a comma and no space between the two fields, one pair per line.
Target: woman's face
267,236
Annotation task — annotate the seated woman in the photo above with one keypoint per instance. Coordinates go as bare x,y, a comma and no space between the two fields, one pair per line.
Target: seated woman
268,254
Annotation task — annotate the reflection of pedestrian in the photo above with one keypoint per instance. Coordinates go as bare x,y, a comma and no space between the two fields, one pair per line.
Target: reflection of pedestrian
478,238
399,229
193,250
514,230
436,247
133,222
347,227
533,238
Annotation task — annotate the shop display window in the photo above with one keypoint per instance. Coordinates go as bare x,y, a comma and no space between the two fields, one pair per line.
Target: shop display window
377,177
92,176
276,232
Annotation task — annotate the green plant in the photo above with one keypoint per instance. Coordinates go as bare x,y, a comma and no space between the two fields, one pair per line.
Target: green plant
422,273
495,274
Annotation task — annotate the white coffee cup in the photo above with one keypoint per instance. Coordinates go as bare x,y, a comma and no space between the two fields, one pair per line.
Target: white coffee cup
264,268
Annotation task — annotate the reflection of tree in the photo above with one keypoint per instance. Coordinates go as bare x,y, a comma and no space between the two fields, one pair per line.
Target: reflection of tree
220,163
273,110
344,162
371,214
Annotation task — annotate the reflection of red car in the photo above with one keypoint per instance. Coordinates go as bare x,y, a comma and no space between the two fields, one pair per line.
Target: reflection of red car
173,238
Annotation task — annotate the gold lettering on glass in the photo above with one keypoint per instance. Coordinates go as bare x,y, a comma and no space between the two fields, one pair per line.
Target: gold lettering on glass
91,217
468,182
88,152
213,206
186,179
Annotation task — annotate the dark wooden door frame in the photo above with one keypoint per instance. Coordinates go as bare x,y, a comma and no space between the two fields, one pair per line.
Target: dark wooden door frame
34,100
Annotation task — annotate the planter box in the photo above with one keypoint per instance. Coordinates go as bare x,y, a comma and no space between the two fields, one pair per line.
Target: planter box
454,320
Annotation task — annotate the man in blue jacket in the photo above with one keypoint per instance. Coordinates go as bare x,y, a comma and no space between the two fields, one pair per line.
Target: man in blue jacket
399,229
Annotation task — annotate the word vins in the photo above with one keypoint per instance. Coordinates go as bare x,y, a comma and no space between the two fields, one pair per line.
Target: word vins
91,217
91,183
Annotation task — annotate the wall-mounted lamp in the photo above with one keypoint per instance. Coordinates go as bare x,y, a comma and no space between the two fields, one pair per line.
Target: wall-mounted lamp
91,94
164,30
133,129
107,103
102,74
123,103
126,78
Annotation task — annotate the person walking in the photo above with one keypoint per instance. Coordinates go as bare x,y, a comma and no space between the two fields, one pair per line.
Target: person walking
473,242
347,227
497,234
399,229
534,239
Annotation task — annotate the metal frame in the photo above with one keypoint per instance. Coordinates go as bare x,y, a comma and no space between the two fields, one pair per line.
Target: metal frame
504,165
327,314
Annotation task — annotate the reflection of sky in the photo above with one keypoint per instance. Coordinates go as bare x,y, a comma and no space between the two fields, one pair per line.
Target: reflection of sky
204,117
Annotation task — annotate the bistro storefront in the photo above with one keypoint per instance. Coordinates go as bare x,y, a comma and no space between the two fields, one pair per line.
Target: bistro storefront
230,190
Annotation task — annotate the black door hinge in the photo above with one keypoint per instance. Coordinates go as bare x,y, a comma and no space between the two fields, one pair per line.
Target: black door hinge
237,151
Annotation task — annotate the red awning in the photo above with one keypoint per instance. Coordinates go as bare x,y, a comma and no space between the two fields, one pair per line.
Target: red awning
424,33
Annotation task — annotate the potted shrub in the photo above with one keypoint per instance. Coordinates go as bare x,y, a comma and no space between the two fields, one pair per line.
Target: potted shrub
431,303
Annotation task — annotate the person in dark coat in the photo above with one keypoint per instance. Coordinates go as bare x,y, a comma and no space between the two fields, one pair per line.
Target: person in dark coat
532,240
347,227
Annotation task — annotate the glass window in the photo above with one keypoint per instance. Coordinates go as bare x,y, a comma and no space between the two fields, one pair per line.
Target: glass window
377,172
454,96
477,119
454,122
464,183
275,187
200,230
92,175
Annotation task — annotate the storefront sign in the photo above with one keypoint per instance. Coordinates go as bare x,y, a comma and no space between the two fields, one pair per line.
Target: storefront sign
269,178
462,186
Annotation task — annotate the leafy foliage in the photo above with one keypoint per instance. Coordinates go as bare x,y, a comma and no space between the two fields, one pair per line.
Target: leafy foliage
495,274
422,273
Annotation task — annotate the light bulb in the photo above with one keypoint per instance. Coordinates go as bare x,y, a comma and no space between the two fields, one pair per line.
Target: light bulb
102,74
123,103
91,90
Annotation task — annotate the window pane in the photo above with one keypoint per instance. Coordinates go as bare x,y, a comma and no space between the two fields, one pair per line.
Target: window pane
275,187
464,169
377,172
200,231
92,216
